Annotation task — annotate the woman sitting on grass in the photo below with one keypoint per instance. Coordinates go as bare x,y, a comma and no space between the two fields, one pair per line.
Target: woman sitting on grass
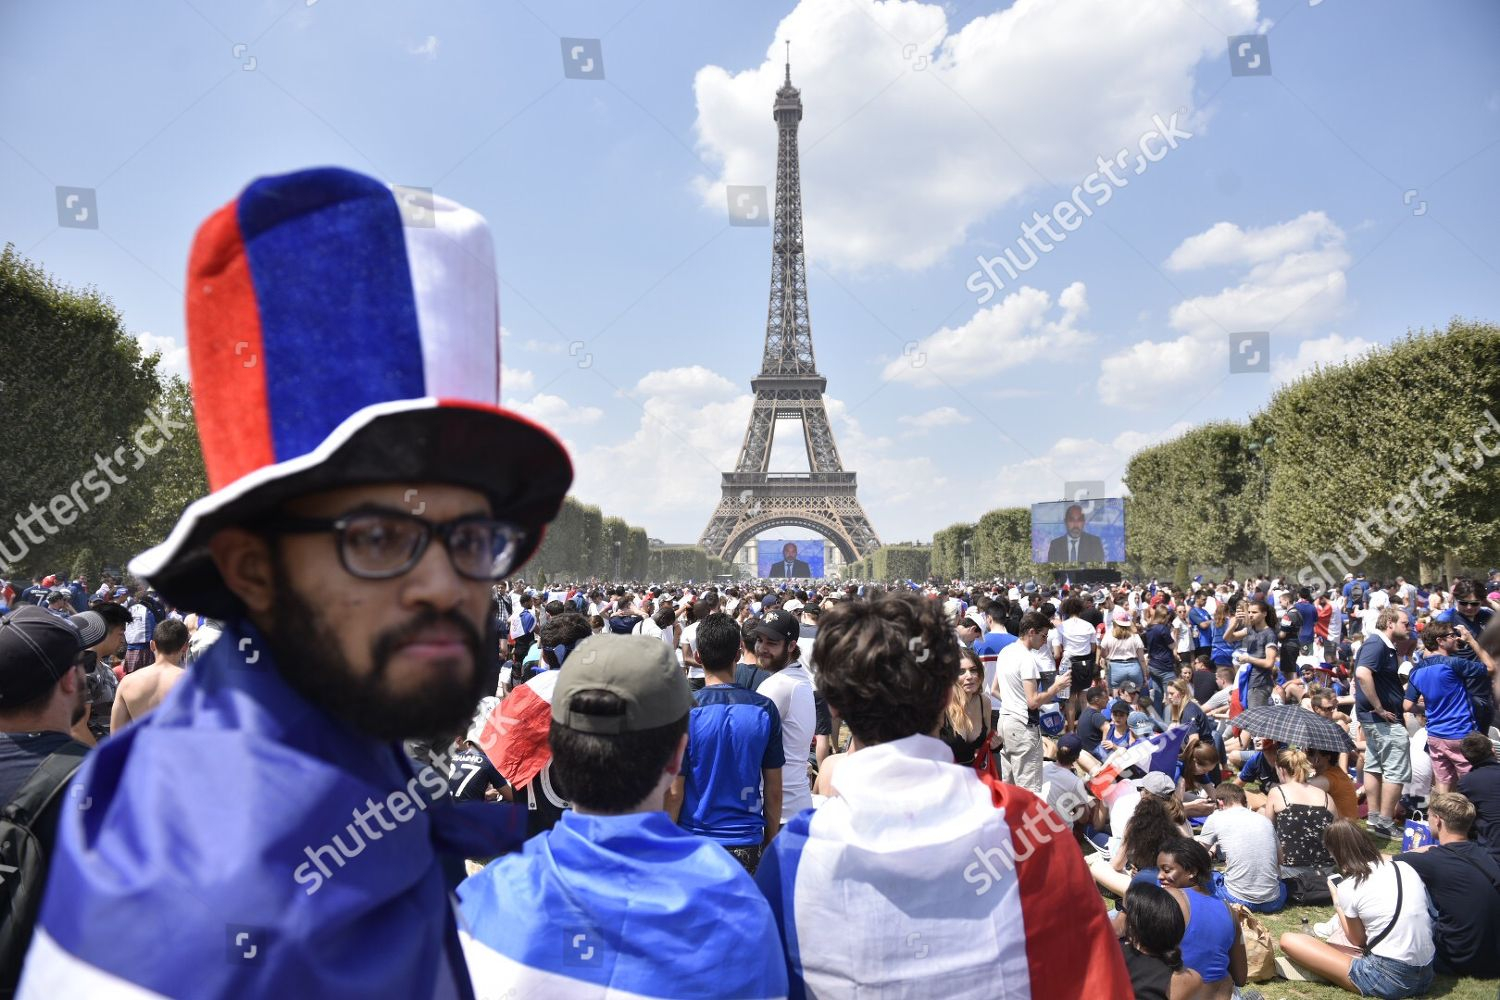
1385,948
1150,826
1152,945
1212,945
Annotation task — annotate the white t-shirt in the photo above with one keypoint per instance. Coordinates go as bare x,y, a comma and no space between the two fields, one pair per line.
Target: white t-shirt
1015,664
791,690
1420,784
1077,637
1120,811
1374,902
1064,791
690,639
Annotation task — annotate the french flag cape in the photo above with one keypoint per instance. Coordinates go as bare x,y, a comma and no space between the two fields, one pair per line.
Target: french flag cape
619,907
926,879
515,735
188,856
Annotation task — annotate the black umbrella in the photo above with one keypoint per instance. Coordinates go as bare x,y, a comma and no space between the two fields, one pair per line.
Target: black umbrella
1294,726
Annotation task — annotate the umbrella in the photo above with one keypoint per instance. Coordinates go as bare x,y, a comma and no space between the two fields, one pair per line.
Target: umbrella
1294,726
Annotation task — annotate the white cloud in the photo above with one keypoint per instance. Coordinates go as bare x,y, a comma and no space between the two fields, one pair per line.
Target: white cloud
943,416
516,380
1311,353
1144,374
665,475
1294,285
1042,87
174,356
1044,476
1010,333
554,411
427,47
1296,281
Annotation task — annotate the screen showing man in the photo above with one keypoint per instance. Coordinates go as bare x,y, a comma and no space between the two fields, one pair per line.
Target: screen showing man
798,559
1092,531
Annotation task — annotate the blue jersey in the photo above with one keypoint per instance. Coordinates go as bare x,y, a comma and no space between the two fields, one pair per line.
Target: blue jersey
1442,681
733,735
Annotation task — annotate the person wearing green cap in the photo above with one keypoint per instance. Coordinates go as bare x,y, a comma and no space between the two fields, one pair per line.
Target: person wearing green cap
616,896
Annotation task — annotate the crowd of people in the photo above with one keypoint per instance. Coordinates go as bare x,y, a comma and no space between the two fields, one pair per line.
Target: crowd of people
299,749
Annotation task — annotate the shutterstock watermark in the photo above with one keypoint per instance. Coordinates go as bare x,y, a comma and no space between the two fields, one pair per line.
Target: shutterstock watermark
1070,213
402,804
1037,830
1434,482
33,527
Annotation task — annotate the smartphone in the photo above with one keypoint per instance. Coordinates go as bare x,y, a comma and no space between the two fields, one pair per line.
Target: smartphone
1335,879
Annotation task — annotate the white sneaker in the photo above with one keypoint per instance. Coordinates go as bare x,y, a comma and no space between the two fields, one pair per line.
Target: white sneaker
1326,928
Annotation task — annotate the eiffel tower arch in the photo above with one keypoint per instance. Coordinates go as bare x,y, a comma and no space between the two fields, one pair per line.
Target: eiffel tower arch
755,499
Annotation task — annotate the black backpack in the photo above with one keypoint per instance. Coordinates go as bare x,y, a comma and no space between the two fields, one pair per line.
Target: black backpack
24,858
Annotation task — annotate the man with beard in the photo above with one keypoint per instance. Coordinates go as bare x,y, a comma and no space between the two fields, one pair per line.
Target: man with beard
790,689
346,369
42,690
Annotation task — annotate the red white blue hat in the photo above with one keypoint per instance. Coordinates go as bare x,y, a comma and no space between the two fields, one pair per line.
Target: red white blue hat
343,332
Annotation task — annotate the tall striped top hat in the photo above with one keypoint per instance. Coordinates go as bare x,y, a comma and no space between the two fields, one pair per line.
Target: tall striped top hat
340,333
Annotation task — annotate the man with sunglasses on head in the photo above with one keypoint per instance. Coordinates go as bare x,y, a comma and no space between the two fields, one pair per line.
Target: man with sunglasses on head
346,371
1469,617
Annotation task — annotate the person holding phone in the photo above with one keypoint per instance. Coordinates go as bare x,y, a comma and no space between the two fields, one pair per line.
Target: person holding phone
1383,944
1017,677
1252,628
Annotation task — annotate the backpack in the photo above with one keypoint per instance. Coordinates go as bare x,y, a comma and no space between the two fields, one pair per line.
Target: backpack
24,858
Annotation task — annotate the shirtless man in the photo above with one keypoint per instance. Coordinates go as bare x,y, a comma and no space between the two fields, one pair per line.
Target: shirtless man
144,689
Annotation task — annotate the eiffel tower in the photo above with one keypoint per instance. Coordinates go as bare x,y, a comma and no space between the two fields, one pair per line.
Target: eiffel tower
789,385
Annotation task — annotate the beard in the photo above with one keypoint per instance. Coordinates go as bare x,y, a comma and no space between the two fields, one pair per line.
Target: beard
310,660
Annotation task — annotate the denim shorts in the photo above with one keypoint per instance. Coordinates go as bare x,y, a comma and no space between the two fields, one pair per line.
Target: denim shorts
1125,670
1389,979
1387,751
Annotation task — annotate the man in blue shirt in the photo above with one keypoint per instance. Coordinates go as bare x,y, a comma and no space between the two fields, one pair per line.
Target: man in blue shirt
730,786
1468,610
989,645
1440,680
1309,613
1378,706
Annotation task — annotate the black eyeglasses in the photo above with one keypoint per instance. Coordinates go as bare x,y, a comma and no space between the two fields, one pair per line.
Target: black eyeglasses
381,544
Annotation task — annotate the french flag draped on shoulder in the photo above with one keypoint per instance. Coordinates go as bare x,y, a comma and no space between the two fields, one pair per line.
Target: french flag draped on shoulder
237,841
924,879
515,735
1156,753
619,907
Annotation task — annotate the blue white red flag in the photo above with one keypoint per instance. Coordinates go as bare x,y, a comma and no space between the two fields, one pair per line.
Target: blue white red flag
925,879
239,842
619,907
1159,752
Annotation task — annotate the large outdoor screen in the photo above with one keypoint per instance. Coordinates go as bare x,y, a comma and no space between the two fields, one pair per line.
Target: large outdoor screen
1086,531
789,558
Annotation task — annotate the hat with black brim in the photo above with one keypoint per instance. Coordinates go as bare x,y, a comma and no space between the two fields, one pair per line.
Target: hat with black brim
342,332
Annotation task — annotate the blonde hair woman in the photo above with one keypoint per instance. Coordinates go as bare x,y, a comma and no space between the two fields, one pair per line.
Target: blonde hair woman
1301,813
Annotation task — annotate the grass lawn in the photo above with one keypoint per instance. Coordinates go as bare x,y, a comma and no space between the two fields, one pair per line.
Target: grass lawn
1290,919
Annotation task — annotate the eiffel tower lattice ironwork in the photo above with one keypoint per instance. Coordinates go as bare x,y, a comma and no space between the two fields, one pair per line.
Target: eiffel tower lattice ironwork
756,499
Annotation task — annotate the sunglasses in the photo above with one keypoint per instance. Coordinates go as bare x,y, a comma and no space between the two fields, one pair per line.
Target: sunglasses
1468,604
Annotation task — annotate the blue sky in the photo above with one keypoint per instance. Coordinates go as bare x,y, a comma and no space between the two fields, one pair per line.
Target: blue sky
634,314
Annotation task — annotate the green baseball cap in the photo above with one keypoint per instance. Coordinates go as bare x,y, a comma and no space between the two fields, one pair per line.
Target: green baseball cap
640,670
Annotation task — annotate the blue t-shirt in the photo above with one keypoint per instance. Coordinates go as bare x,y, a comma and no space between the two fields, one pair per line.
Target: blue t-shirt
1309,621
1382,663
1197,618
1441,681
1223,651
733,735
1159,648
